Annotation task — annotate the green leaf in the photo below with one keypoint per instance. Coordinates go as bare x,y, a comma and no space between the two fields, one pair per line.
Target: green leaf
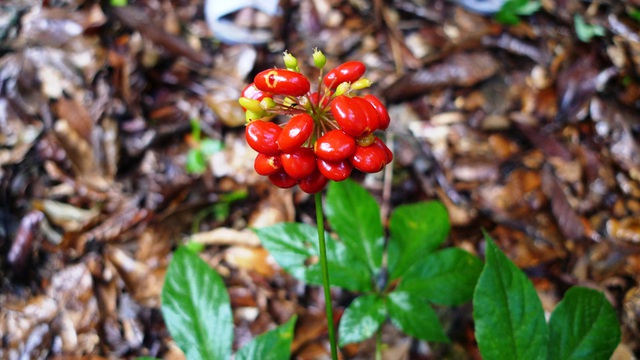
586,31
415,317
416,230
196,163
294,246
361,319
355,215
272,345
211,146
633,12
446,277
583,326
196,310
512,9
508,315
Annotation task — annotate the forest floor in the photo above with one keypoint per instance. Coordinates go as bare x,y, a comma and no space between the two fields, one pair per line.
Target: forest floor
528,131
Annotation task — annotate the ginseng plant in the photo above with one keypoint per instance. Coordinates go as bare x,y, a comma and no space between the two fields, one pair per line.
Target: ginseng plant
329,132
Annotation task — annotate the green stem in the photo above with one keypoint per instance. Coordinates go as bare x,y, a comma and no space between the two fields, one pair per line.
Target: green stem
379,343
325,276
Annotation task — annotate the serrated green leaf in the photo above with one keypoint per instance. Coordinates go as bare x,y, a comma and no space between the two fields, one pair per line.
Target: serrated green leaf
361,319
196,310
445,277
416,230
583,326
355,215
414,317
294,246
508,315
272,345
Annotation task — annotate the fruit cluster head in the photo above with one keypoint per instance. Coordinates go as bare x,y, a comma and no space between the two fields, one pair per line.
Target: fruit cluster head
329,133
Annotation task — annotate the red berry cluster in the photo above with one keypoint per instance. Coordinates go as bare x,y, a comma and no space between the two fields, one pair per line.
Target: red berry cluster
330,132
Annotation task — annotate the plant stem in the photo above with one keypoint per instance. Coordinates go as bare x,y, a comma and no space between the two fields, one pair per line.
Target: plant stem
325,276
379,343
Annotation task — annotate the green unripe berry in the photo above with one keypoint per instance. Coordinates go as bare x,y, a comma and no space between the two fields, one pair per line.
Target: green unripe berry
250,115
361,84
319,59
342,88
267,103
250,104
290,61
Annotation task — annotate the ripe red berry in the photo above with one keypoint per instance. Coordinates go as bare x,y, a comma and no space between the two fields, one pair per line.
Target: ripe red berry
370,114
315,99
369,159
334,145
252,92
348,115
379,143
262,136
336,171
266,165
282,180
295,132
313,183
299,163
383,114
346,72
283,82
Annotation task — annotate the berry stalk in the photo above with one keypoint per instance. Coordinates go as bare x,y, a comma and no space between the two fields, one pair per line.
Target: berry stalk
325,276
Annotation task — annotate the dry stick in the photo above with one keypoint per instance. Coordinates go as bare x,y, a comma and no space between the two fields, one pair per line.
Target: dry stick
325,276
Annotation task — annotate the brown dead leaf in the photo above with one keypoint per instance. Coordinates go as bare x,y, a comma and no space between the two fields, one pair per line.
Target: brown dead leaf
252,259
460,69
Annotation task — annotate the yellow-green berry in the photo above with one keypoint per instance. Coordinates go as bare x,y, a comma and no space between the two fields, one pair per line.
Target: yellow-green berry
319,59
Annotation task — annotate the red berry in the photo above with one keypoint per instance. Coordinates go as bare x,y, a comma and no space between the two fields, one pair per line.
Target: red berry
379,143
348,115
315,99
299,163
334,145
252,92
267,164
370,114
262,136
336,171
282,179
296,132
369,159
283,82
313,183
346,72
383,114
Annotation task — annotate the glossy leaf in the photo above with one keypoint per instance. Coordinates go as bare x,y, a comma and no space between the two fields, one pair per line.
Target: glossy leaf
361,319
508,316
195,306
583,326
294,246
355,215
271,345
416,230
446,277
414,317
